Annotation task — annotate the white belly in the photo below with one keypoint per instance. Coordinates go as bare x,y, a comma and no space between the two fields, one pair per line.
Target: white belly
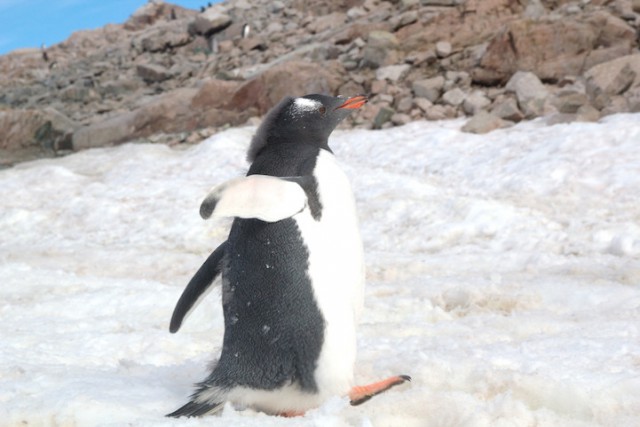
336,269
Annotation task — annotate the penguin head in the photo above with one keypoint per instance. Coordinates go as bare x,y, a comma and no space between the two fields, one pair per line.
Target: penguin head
309,119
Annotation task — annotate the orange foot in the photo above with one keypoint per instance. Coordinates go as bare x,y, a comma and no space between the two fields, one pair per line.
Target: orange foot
360,394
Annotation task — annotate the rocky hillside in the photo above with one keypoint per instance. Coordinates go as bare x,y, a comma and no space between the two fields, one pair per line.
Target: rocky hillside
175,75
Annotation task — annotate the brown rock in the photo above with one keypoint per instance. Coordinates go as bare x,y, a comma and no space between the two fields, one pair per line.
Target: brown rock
612,78
214,93
39,129
293,78
551,48
152,73
208,25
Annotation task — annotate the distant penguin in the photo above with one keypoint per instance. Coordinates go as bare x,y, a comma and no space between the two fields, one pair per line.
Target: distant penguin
292,271
246,30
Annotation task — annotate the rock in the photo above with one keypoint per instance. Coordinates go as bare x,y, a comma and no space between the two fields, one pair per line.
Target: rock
208,26
569,101
393,73
383,116
443,49
252,43
379,49
152,73
404,105
441,112
26,129
107,132
553,48
441,2
484,122
153,11
327,22
160,38
400,119
534,10
423,104
612,78
214,93
530,93
507,109
284,79
475,102
219,21
428,88
454,97
633,99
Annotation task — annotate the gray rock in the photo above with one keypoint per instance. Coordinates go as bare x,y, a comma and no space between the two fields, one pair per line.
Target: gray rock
569,101
475,102
443,49
507,109
393,73
530,93
383,116
400,119
484,122
404,105
428,88
454,97
379,46
534,10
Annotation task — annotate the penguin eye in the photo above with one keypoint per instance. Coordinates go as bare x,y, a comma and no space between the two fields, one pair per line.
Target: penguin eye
322,110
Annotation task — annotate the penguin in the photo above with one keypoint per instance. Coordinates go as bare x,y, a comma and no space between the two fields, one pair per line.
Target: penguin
292,271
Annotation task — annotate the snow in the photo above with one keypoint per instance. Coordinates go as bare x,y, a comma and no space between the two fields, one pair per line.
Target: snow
503,275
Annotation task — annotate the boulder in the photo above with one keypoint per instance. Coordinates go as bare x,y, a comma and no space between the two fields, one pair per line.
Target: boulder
507,109
28,128
454,97
612,78
484,122
530,93
443,49
379,49
553,48
475,102
208,26
393,73
286,79
429,88
161,37
152,73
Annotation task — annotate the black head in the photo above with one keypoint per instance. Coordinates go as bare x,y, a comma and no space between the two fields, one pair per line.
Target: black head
306,120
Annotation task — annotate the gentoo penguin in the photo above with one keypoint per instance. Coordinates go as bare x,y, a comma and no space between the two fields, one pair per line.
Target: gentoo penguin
292,271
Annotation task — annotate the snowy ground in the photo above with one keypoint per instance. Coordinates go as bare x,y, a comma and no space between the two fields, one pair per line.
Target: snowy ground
503,276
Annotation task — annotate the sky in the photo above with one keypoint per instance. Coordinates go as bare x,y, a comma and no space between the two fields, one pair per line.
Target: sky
29,23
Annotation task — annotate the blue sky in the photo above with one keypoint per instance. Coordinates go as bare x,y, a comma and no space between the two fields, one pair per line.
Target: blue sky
29,23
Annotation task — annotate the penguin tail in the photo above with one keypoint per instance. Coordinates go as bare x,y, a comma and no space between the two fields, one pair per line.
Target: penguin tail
197,409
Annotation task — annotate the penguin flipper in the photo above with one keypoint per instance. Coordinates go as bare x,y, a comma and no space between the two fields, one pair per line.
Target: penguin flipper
197,287
195,409
264,197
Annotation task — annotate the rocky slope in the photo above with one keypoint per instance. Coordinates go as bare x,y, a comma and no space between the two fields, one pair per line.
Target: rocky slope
175,75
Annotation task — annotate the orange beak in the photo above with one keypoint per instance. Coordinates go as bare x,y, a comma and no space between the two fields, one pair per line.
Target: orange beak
354,102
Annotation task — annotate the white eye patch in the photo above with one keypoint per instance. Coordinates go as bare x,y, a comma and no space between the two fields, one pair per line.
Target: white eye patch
301,105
